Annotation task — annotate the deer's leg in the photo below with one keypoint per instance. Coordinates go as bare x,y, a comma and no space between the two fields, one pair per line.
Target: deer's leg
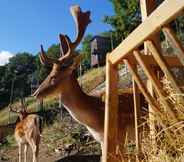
25,152
20,152
34,150
37,151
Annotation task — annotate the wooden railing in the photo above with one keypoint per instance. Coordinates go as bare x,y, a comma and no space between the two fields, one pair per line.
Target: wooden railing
127,52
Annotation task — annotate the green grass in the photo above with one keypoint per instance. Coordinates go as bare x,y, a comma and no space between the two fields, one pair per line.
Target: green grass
90,80
32,105
10,142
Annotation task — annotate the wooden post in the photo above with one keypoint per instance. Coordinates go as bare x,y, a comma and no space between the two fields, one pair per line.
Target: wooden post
137,106
147,7
111,114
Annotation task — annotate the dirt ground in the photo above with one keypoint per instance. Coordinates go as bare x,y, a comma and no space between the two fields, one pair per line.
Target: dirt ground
11,155
55,137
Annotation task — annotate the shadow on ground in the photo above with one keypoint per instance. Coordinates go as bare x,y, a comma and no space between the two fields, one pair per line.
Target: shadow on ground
81,158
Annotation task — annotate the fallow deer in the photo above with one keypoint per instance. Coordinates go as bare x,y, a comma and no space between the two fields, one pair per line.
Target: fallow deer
27,132
88,110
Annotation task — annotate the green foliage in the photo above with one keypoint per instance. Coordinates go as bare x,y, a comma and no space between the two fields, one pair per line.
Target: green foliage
17,71
178,25
86,52
126,18
21,67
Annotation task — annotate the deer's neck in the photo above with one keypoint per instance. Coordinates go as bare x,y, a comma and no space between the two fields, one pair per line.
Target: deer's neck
86,109
72,94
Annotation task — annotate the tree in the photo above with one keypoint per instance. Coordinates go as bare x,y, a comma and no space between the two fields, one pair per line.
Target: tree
4,91
127,17
86,52
20,68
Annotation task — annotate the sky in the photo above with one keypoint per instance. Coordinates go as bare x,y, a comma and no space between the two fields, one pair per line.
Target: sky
25,24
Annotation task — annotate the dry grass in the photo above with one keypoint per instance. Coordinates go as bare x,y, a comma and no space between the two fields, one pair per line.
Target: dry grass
168,143
92,79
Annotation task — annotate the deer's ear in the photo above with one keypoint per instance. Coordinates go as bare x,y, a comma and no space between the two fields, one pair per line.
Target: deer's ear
76,61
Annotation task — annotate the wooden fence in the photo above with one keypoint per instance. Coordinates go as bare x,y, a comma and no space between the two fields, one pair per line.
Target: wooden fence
127,53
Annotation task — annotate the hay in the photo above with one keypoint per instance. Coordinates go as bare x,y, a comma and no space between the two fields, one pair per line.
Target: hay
168,144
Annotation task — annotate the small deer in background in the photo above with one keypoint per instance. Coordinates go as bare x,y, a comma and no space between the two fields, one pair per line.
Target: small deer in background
27,132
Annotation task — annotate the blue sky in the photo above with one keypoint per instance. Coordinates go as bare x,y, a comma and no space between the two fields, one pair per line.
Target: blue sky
25,24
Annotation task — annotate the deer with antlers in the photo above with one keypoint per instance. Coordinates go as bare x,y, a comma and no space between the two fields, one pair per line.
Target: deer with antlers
27,132
88,110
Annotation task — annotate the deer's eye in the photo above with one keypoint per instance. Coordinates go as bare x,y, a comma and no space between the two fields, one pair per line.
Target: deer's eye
66,64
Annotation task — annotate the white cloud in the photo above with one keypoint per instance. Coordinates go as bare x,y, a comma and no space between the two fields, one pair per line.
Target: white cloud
4,57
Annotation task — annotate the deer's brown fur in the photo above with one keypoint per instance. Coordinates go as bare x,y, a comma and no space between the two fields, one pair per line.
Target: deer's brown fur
87,110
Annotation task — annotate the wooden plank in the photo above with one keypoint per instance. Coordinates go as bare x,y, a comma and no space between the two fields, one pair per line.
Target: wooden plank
175,42
151,116
147,7
157,85
172,61
142,87
163,65
166,12
137,108
111,113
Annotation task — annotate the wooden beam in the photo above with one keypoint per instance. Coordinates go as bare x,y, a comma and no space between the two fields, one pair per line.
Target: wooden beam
142,87
175,42
165,13
172,61
111,113
147,7
163,65
157,85
151,116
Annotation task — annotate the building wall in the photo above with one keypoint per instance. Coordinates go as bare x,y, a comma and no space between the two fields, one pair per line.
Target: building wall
99,48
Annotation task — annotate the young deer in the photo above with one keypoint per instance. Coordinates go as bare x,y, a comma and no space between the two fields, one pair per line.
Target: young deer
88,110
27,132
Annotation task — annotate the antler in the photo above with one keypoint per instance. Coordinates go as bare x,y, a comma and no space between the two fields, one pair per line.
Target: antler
82,19
23,107
46,60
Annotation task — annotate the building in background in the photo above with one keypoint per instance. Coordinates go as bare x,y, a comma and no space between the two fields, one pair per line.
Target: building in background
99,47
